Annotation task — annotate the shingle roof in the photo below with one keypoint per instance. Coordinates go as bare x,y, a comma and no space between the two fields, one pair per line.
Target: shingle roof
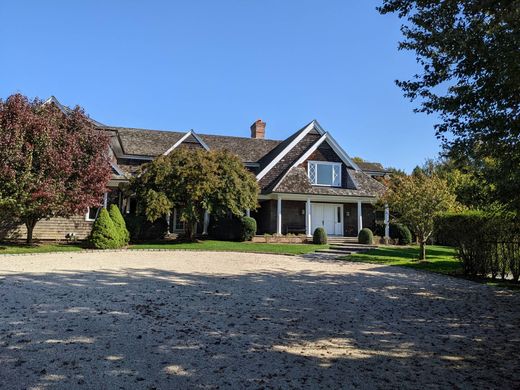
371,166
297,181
155,142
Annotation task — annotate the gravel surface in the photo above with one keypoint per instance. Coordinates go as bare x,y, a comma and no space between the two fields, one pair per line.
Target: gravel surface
173,320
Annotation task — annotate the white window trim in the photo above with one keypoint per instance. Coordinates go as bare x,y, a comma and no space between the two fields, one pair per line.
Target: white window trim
174,227
332,173
88,212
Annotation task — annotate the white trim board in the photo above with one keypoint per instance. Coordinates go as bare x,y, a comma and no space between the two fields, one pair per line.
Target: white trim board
313,125
332,143
183,138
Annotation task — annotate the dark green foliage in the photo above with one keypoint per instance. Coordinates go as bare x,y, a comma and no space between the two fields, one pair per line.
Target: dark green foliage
248,228
487,243
398,232
141,229
469,54
366,236
227,229
119,223
104,234
320,236
401,233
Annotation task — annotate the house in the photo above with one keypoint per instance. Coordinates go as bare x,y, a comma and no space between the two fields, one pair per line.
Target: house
306,180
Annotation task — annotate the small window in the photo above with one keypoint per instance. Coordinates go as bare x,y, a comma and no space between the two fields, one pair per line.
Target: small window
339,214
177,223
324,173
92,213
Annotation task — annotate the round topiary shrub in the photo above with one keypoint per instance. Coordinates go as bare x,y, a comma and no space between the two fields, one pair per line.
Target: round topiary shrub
120,224
365,236
320,236
248,228
104,234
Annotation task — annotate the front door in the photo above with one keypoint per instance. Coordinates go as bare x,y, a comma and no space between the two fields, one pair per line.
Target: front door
329,217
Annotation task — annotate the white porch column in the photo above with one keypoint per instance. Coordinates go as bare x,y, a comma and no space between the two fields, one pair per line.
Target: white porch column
308,218
279,215
248,213
387,222
168,216
359,217
205,223
105,199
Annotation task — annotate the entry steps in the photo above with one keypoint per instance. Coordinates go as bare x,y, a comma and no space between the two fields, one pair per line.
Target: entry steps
345,246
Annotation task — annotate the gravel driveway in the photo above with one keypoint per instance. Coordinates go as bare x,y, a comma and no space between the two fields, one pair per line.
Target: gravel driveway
170,320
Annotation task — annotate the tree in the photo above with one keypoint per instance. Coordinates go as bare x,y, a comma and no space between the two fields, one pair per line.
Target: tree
194,181
416,200
469,51
54,164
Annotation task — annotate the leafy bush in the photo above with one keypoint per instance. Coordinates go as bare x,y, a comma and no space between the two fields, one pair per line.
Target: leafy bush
366,236
488,244
104,234
120,225
401,232
320,236
227,229
141,229
248,228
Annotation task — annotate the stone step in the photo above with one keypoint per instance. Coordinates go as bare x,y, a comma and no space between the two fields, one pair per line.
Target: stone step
353,246
335,252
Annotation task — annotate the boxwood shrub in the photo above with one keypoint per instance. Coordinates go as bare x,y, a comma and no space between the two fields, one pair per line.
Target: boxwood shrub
248,228
366,236
320,236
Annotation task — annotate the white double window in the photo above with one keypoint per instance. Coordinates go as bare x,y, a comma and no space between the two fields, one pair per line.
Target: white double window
324,173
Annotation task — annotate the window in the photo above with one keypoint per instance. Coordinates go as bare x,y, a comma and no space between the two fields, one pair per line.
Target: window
177,223
324,173
92,213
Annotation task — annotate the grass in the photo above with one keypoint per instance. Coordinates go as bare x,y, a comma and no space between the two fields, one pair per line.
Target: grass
209,245
229,246
13,249
439,259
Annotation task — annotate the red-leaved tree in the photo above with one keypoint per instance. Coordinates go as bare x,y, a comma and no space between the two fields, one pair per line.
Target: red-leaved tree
52,164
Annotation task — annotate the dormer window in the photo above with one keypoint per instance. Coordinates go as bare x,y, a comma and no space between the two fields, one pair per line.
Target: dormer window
324,173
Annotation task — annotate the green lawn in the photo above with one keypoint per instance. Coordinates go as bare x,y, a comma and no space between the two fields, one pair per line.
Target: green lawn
229,246
8,249
209,245
439,259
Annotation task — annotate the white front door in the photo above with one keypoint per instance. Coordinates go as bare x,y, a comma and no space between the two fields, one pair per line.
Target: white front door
329,217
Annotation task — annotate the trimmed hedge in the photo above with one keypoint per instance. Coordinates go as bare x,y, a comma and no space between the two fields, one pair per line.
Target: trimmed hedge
120,225
366,236
234,229
487,244
319,236
248,228
398,232
104,233
141,229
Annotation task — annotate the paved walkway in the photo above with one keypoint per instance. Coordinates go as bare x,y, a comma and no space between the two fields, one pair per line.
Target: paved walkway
171,320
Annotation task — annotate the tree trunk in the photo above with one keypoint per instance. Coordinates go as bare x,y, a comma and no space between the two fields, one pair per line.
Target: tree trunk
30,223
189,230
422,252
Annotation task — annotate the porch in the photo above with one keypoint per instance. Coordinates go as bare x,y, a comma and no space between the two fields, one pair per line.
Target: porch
299,214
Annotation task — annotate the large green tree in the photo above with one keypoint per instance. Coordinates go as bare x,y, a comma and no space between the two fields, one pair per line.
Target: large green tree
469,51
194,181
52,164
416,200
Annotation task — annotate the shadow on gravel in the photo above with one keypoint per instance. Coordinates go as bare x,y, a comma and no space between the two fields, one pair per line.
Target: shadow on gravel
149,328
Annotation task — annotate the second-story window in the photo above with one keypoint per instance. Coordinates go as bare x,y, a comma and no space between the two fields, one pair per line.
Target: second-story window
324,173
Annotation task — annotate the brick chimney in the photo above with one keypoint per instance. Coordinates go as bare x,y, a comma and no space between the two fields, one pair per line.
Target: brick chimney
258,129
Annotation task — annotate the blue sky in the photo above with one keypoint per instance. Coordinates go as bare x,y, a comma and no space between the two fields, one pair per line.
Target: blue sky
216,66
